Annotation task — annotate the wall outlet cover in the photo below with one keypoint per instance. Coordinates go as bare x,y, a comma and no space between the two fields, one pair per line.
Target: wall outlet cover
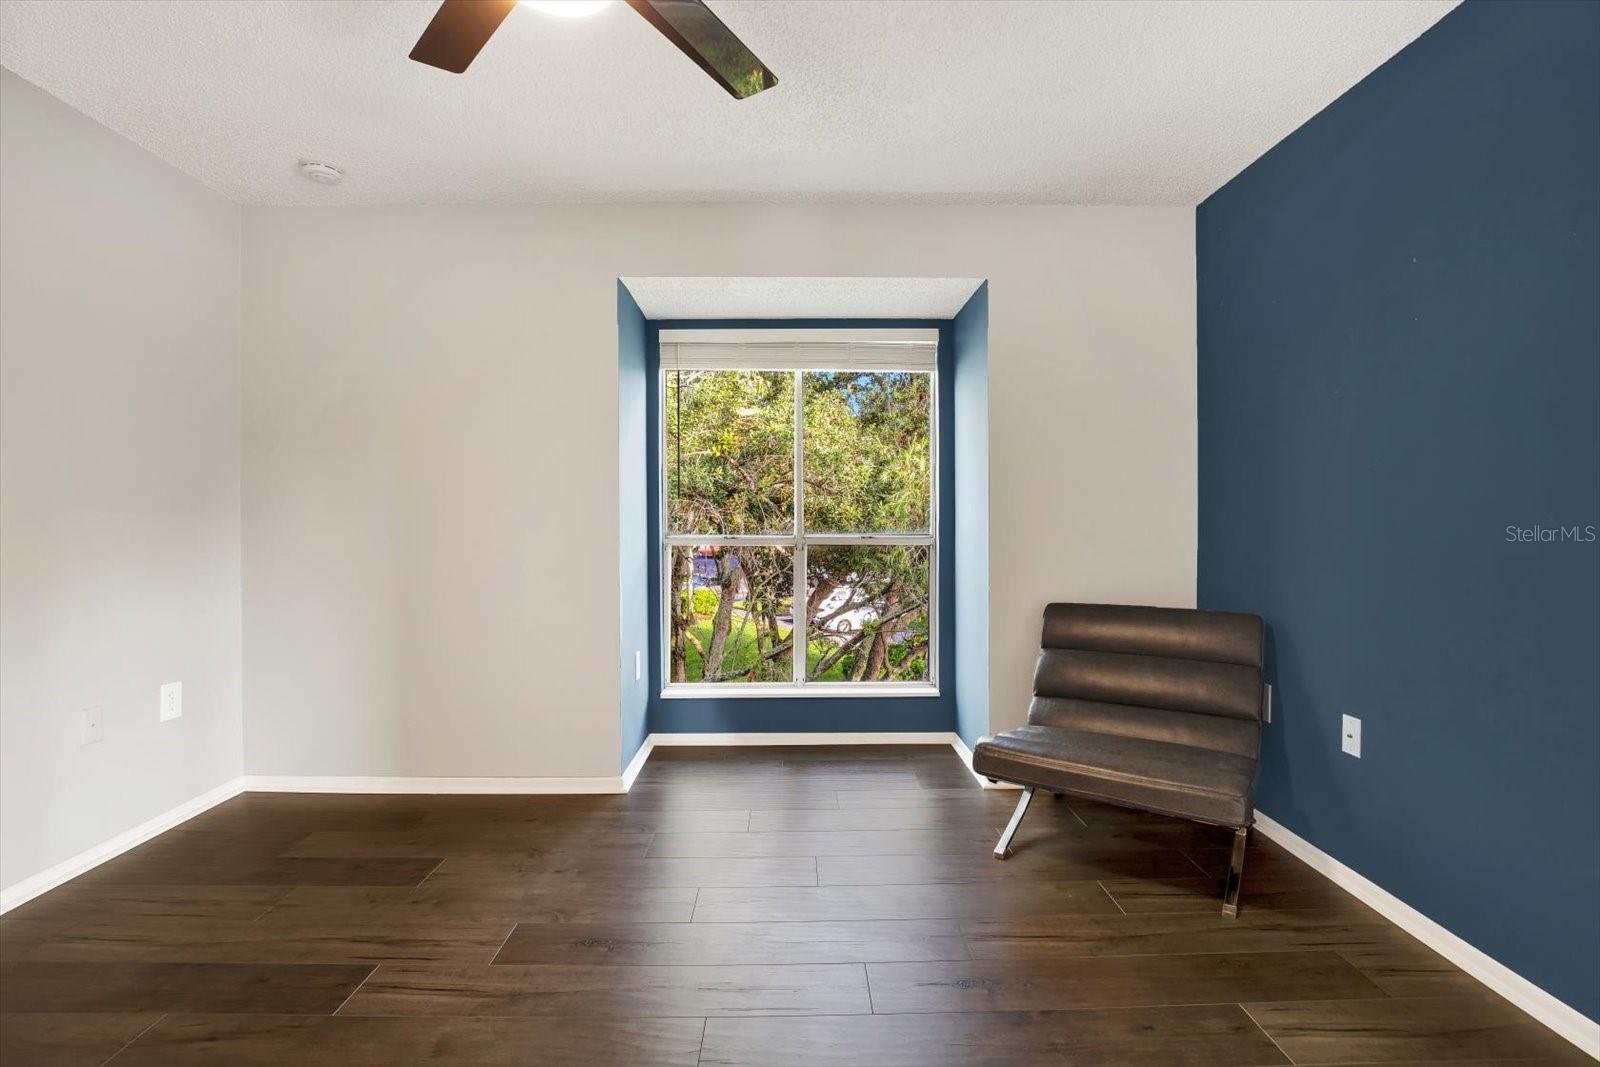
94,724
171,701
1350,736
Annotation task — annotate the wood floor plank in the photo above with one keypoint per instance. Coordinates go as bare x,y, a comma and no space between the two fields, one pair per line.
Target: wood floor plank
304,813
597,820
575,991
693,797
348,1041
1151,896
922,817
821,843
1114,981
20,938
680,944
1103,819
1068,832
871,797
373,845
1264,861
306,989
295,871
568,869
1405,968
1086,864
1210,1036
1047,826
1255,930
1378,1031
932,901
484,904
1062,837
183,940
641,820
78,901
63,1039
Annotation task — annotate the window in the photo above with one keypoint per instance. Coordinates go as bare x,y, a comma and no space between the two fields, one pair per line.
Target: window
799,514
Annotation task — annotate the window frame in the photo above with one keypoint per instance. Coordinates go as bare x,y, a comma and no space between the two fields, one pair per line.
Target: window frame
799,539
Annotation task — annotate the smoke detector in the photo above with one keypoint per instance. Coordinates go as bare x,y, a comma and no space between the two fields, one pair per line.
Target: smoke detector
321,173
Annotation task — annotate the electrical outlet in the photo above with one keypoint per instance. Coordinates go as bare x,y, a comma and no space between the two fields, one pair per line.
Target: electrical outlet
638,665
171,701
94,725
1350,740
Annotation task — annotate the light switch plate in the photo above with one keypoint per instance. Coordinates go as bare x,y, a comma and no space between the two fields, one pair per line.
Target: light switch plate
1350,736
638,665
171,701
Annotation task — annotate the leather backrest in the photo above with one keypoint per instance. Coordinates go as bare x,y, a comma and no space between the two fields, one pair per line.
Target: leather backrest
1242,737
1176,633
1173,659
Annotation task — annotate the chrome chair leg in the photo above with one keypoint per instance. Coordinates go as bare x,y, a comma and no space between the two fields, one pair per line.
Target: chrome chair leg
1230,889
1003,848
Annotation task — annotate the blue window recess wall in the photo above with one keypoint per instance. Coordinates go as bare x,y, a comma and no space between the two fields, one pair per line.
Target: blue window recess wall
803,713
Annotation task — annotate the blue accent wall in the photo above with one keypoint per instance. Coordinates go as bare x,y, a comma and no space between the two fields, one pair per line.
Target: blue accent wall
633,405
1399,358
970,397
815,714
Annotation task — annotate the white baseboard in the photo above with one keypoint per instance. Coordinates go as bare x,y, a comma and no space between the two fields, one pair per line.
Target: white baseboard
631,772
965,754
256,783
1545,1008
938,737
618,784
89,858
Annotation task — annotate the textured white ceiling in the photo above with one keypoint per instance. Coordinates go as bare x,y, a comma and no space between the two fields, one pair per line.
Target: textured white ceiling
1074,101
801,298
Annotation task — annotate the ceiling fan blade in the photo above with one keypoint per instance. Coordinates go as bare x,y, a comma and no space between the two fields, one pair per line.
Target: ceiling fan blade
458,32
693,27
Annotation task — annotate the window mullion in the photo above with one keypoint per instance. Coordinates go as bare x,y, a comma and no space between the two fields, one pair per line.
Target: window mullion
697,540
870,539
797,603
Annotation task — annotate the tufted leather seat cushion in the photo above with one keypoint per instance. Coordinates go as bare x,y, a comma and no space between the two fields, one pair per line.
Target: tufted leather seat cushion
1193,783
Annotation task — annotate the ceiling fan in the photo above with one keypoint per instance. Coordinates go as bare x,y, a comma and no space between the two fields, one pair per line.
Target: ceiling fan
460,29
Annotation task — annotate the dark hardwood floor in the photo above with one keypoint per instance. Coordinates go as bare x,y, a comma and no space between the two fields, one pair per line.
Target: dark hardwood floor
782,906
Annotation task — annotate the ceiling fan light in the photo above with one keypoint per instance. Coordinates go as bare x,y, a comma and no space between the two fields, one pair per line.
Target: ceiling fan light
569,9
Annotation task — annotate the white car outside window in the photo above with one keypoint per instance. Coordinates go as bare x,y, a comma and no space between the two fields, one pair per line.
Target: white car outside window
847,621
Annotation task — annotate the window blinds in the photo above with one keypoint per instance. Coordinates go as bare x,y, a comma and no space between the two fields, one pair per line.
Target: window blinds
799,355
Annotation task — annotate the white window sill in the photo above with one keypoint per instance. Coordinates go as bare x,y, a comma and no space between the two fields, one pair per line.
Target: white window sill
815,690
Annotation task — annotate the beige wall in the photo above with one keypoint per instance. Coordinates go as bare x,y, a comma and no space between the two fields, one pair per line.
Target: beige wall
430,448
119,482
429,453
